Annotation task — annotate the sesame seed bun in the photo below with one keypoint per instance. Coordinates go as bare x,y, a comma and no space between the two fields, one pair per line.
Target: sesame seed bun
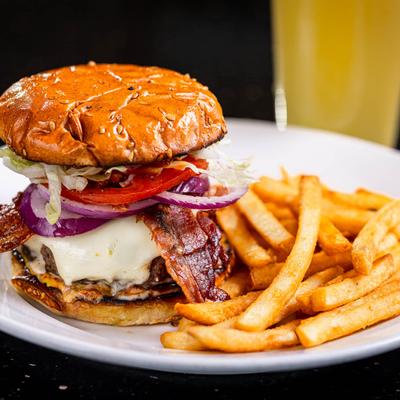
108,114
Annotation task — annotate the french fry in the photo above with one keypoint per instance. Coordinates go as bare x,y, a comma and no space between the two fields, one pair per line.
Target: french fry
381,304
261,278
264,222
293,181
348,274
290,225
331,239
237,284
361,199
396,231
270,189
366,244
233,340
269,304
280,212
352,288
387,243
345,218
305,288
181,340
210,313
395,252
185,323
241,239
321,261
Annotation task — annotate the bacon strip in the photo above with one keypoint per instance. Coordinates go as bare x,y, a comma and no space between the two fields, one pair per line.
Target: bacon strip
13,231
190,246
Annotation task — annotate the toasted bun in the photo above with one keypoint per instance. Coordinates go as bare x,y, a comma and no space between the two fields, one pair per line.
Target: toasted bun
139,312
108,114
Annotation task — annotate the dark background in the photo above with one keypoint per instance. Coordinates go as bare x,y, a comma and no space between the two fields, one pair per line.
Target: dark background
225,45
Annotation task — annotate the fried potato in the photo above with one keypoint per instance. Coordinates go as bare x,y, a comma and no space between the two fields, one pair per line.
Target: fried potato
331,239
261,278
210,313
305,288
345,218
280,212
241,239
386,244
269,304
366,244
352,288
270,189
234,340
185,323
181,340
381,304
321,261
348,274
290,225
361,199
237,284
264,222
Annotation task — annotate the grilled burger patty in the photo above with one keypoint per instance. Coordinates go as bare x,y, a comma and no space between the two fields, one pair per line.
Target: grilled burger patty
158,284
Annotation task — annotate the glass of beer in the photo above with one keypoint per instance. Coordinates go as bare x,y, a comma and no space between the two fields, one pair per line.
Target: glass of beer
337,66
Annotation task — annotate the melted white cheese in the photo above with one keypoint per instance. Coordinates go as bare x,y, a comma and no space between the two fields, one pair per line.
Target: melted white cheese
121,249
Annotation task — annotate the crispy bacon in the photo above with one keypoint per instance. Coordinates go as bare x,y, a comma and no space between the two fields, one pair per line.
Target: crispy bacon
13,231
190,246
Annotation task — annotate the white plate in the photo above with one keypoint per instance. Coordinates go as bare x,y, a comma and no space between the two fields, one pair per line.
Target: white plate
342,162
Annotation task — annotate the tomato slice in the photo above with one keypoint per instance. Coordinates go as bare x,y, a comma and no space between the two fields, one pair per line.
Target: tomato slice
142,186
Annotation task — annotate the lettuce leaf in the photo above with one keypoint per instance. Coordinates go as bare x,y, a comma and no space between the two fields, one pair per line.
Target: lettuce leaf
55,176
223,169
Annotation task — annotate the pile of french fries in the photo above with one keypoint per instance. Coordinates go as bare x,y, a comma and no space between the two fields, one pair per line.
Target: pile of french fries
315,265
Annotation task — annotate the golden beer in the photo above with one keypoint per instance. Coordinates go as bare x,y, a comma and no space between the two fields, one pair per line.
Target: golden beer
337,65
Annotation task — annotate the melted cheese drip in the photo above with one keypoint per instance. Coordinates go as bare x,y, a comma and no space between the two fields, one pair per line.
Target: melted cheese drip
121,249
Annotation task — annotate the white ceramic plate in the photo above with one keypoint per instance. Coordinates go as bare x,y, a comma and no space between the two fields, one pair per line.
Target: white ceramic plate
342,162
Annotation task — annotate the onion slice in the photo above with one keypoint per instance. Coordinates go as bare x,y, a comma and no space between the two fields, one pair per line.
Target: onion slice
201,203
99,211
69,224
194,186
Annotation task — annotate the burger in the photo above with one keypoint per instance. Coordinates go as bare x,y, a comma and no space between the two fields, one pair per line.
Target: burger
118,221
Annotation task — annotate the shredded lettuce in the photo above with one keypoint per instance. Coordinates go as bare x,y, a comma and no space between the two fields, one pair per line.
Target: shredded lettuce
224,169
221,168
53,207
55,176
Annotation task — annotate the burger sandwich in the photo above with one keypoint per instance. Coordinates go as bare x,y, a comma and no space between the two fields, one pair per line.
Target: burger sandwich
117,223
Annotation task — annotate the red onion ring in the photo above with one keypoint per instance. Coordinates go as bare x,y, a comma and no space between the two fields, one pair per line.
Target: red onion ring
201,203
194,186
99,211
72,225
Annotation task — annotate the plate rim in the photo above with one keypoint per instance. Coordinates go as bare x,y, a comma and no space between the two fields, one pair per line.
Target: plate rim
200,363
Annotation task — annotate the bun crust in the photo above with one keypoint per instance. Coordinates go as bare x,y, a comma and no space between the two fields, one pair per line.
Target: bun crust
139,312
108,114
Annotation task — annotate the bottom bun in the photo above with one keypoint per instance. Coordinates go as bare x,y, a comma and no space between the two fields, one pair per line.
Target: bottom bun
138,312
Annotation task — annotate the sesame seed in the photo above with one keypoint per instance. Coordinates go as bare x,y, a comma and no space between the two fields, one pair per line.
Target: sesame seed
119,128
91,63
102,130
52,125
63,387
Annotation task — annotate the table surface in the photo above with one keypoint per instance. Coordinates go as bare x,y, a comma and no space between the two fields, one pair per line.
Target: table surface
28,370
